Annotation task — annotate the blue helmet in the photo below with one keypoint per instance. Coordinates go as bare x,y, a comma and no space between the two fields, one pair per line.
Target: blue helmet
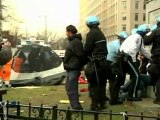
158,20
92,20
153,27
134,31
123,35
143,28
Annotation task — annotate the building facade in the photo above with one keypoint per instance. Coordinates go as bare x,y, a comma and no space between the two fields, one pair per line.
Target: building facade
83,14
115,15
152,10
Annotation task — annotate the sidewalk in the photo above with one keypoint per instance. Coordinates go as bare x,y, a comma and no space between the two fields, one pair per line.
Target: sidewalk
147,105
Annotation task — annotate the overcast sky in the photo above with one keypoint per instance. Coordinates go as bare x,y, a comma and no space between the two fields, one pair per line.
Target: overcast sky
59,14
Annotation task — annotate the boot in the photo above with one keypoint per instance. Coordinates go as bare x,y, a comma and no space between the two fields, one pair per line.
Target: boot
94,98
157,94
156,102
102,97
103,106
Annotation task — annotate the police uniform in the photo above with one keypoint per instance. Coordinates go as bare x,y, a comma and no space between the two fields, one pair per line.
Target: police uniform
129,49
96,50
114,82
153,37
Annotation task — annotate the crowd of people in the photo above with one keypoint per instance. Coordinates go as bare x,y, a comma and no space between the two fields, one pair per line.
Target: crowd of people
112,61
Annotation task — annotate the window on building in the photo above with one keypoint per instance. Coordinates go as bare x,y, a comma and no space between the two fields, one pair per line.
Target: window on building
124,4
136,4
144,17
136,16
116,18
116,28
144,6
136,25
124,16
114,8
124,27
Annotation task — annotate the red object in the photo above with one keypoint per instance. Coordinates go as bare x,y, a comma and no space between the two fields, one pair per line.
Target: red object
82,80
83,90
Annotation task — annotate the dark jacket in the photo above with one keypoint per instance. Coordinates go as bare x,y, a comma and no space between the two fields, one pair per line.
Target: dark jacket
74,58
95,42
153,38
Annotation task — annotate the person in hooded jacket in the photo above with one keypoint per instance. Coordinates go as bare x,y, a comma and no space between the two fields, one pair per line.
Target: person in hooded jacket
153,38
73,63
96,50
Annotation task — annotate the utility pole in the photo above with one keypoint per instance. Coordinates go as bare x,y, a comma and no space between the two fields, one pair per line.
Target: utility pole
46,36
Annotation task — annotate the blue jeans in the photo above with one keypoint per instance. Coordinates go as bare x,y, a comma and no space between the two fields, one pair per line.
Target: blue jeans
72,87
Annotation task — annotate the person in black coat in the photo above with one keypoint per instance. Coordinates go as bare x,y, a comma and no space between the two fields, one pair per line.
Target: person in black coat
153,38
73,63
96,50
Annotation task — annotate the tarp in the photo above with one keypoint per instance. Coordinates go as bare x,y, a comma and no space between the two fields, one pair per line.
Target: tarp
35,58
36,65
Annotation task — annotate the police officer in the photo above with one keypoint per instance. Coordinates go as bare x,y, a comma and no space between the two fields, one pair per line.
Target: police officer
129,49
96,50
115,82
134,31
143,61
153,37
153,27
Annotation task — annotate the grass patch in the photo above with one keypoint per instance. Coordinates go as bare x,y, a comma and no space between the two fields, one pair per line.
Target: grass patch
51,95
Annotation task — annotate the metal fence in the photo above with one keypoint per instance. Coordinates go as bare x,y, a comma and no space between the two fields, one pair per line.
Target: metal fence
18,111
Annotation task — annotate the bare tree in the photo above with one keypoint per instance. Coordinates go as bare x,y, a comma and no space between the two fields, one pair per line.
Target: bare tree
1,18
6,15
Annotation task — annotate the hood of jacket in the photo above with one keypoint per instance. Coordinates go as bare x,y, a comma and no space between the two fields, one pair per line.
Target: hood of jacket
78,36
